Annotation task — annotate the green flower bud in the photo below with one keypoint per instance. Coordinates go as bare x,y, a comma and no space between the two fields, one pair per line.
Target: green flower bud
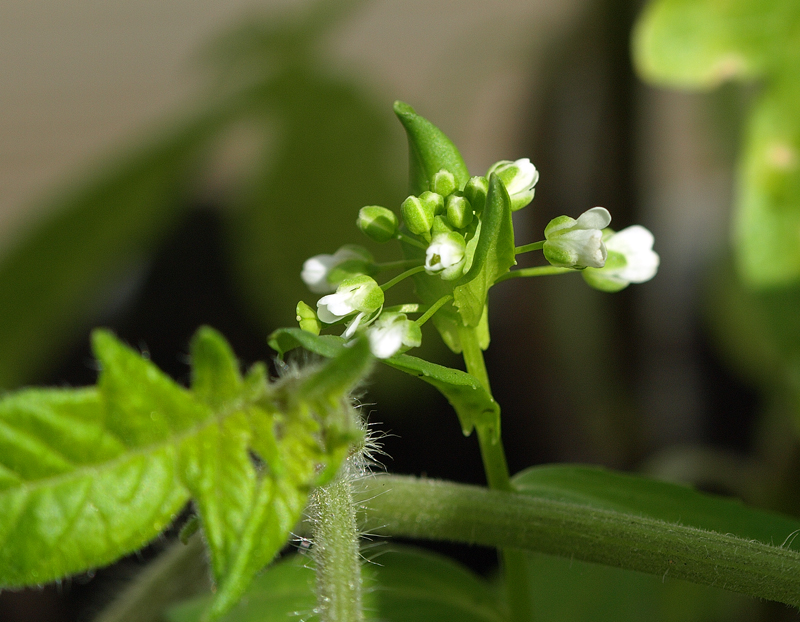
476,190
444,182
377,223
436,199
440,225
418,214
577,243
459,210
307,318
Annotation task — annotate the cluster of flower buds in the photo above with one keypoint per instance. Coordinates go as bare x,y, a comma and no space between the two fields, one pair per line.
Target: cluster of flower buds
444,221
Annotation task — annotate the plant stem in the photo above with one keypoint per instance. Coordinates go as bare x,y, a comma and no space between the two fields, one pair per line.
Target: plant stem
527,248
513,561
537,271
401,263
418,508
433,309
336,551
402,276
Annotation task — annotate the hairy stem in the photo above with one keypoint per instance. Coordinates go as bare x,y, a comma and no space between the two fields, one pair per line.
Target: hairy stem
336,551
514,562
418,508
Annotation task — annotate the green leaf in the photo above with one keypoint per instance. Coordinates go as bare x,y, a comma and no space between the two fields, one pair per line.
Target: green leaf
672,503
700,43
494,255
429,151
472,403
404,585
89,475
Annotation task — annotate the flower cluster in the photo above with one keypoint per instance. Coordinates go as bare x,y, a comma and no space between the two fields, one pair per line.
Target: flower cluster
442,226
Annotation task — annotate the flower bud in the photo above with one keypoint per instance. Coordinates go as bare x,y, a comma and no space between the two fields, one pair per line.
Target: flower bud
631,259
578,243
390,333
323,273
418,214
445,255
436,199
307,318
476,190
444,182
441,225
459,210
377,223
519,178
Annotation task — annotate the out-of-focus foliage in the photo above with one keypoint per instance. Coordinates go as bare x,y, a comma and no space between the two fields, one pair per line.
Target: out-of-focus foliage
697,44
320,152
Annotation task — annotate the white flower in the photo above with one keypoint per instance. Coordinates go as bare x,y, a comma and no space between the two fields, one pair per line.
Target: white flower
359,294
390,332
445,255
577,243
317,270
631,259
519,178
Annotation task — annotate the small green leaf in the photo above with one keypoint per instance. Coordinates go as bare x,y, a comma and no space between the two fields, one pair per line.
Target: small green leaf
429,151
473,404
494,255
405,585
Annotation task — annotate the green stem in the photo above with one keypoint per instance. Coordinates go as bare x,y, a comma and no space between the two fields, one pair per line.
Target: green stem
413,241
402,276
514,562
537,271
401,263
433,309
527,248
436,510
336,551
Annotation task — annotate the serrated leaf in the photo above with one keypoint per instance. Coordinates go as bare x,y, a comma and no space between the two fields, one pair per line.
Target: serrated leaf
673,503
429,151
89,475
472,403
403,585
699,44
494,255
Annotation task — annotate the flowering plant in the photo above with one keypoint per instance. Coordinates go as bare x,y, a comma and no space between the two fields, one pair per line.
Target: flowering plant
88,475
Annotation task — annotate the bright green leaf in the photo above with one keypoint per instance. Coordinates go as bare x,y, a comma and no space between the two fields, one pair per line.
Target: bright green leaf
494,255
405,585
429,151
701,43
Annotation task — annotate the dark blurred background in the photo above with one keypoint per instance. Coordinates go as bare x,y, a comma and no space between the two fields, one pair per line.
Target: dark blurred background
182,176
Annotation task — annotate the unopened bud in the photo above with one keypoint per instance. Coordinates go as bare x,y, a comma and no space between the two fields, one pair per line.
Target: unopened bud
418,214
444,182
476,190
459,210
307,318
377,223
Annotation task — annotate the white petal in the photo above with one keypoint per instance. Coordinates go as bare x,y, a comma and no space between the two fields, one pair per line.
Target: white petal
595,218
636,243
315,273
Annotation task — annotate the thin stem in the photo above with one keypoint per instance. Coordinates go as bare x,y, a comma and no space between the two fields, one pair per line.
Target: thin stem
527,248
433,309
537,271
413,241
513,561
402,276
436,510
406,308
401,263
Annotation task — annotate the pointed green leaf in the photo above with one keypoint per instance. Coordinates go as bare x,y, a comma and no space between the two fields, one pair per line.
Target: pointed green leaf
472,403
429,151
494,255
405,585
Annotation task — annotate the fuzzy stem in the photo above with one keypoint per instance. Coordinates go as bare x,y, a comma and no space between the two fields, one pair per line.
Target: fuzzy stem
336,551
418,508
